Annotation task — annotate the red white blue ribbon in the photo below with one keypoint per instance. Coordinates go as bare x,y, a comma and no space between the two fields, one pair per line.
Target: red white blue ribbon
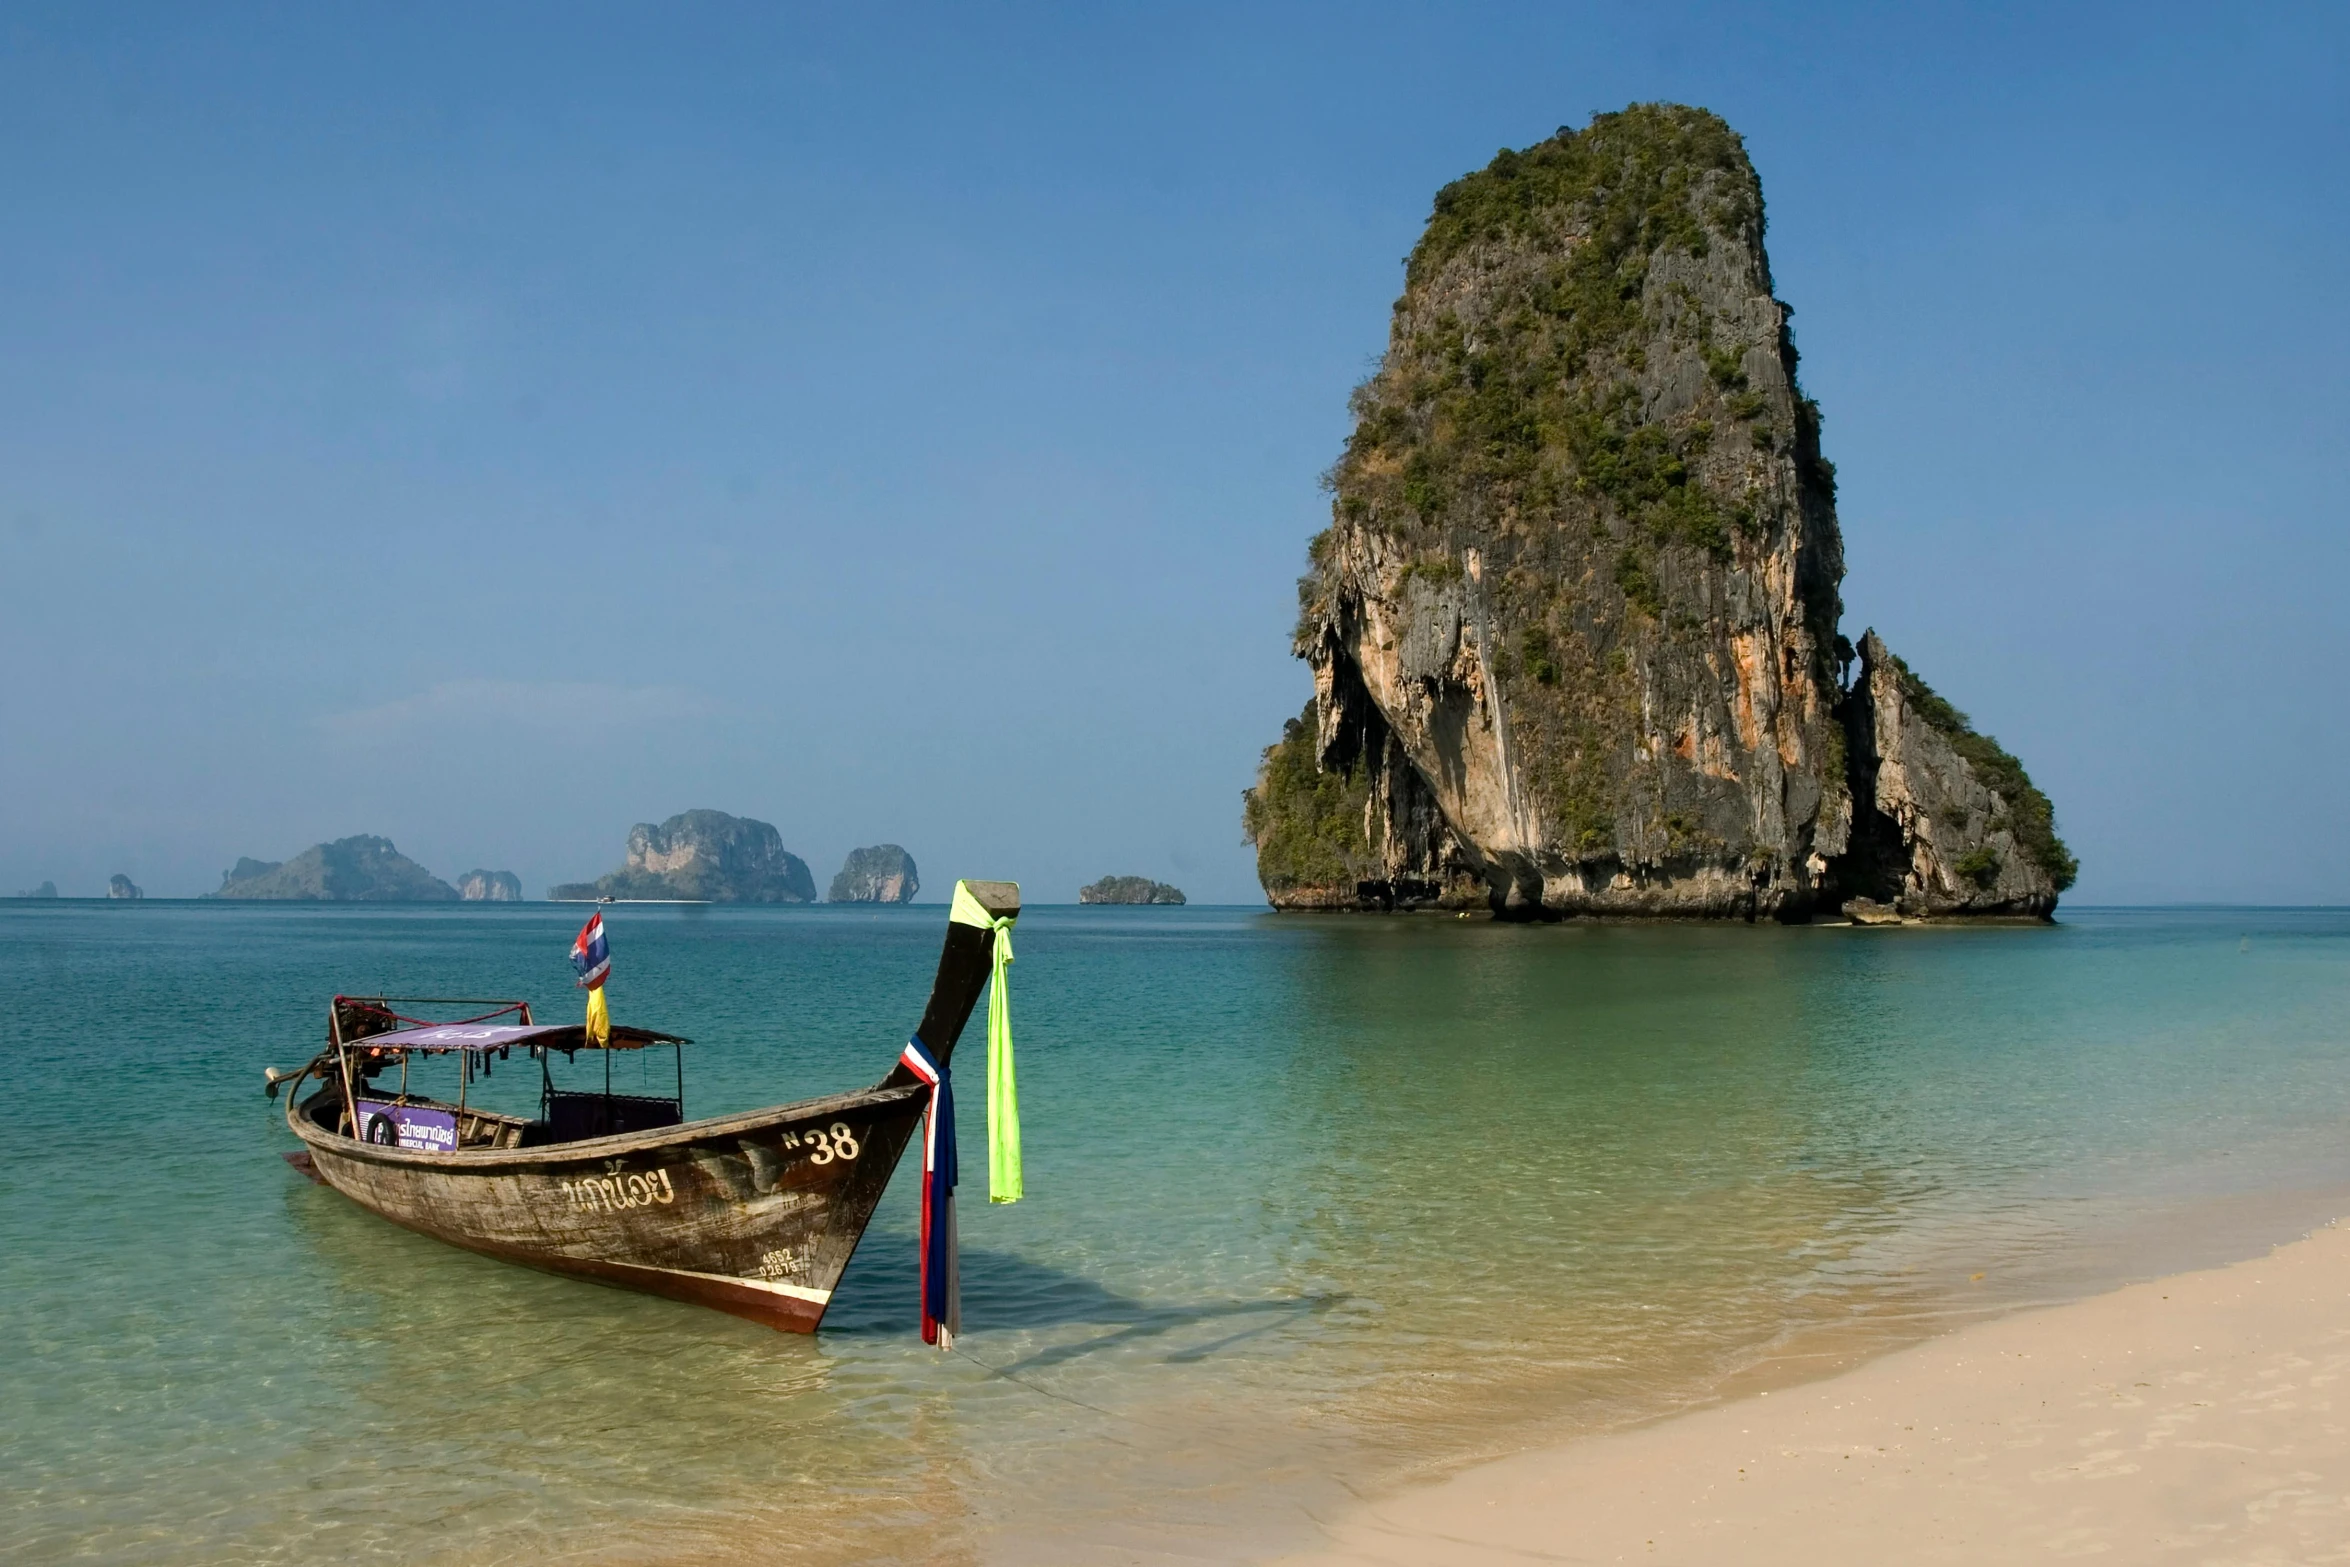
942,1295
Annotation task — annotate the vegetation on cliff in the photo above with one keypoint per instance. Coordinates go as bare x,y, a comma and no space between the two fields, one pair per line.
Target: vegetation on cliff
1529,399
2030,815
1535,397
1307,824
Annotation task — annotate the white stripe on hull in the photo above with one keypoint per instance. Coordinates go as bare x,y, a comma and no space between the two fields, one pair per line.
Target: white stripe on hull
795,1291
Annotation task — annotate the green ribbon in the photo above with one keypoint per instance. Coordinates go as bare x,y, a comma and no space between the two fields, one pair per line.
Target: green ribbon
1003,1090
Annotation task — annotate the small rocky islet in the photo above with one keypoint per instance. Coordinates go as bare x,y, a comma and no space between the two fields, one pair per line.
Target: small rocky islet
362,868
479,886
702,856
884,873
1129,889
359,869
117,886
1575,621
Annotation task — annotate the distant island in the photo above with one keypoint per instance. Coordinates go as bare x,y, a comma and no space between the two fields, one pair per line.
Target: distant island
882,874
121,886
1129,889
702,856
47,889
490,887
1574,621
361,869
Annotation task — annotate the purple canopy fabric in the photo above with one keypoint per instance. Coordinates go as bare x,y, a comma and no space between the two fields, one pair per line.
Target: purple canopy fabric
499,1036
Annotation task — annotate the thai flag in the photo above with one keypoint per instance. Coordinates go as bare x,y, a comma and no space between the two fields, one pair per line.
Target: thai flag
589,955
942,1295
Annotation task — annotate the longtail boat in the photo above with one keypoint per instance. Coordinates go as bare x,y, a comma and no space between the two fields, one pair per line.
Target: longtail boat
755,1214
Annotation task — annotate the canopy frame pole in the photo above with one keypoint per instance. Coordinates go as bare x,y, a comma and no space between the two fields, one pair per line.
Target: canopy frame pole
334,1023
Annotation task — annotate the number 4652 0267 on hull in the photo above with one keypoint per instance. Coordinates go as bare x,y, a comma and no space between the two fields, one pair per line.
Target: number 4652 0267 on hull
755,1214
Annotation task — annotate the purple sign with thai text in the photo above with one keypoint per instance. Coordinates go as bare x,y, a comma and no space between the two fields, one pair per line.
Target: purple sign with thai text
407,1126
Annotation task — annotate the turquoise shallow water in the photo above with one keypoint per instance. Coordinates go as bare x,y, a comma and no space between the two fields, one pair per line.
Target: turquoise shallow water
1315,1204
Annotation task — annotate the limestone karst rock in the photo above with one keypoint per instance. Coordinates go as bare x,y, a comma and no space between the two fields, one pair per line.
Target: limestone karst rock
883,873
360,869
1574,622
478,886
704,855
47,889
121,886
1946,821
1129,889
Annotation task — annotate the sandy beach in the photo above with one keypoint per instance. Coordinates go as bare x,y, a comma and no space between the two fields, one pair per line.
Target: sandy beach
2202,1418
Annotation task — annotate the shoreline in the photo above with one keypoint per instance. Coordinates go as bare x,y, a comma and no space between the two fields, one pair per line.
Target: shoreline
2205,1411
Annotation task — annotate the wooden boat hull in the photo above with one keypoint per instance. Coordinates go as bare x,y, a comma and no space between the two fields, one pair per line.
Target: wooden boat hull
753,1214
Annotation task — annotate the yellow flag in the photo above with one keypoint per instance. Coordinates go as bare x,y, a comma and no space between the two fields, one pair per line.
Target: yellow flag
599,1019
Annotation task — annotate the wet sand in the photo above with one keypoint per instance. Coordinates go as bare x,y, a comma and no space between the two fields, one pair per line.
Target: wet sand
2201,1418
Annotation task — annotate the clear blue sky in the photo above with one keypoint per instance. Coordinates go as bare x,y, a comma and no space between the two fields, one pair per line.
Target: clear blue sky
492,426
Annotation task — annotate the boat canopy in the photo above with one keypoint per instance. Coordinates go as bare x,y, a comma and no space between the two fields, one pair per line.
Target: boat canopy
441,1037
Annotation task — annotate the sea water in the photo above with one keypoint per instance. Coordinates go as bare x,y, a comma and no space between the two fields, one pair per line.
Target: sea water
1316,1205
